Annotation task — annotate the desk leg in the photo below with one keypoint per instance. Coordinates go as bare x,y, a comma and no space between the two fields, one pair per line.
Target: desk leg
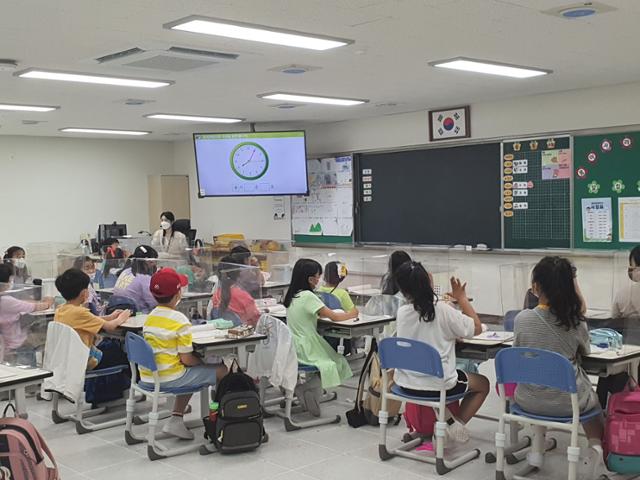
21,402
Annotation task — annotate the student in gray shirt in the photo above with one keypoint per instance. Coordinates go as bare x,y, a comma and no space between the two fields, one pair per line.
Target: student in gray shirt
557,324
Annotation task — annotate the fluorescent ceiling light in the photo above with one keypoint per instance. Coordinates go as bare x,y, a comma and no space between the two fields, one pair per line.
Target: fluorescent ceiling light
255,33
193,118
92,78
103,131
492,68
27,108
302,98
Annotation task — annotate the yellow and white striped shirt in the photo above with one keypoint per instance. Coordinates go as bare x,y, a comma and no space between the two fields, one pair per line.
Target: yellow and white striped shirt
169,334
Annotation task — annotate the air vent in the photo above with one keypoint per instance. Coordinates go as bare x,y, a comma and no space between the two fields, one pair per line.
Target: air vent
119,55
172,59
204,53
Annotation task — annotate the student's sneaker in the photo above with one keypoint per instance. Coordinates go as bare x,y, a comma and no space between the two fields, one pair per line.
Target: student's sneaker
457,432
592,467
176,428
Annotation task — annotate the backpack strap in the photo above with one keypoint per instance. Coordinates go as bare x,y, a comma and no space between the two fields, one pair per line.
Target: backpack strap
366,368
53,471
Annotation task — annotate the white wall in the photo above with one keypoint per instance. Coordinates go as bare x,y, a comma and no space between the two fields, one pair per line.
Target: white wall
53,189
611,106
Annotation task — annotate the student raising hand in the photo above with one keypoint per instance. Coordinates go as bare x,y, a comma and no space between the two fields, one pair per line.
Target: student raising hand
459,294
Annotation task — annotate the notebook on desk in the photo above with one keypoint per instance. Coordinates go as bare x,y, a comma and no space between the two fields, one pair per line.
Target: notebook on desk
494,337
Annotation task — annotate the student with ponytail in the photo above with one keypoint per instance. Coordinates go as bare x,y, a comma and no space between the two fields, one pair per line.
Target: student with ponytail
334,275
557,324
439,325
230,296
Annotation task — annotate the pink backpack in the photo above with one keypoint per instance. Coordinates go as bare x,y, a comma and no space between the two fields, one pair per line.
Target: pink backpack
23,452
421,419
622,431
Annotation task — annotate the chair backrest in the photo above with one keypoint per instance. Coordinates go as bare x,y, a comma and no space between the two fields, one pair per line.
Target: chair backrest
408,354
140,352
182,225
509,320
330,300
534,366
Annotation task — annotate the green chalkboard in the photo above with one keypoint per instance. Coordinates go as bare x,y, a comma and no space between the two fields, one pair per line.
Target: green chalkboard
607,191
536,196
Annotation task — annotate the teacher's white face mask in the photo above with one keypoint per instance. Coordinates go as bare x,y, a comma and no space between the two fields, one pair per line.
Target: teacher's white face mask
165,225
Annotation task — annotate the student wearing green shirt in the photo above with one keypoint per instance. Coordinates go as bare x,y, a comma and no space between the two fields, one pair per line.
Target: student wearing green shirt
334,274
303,310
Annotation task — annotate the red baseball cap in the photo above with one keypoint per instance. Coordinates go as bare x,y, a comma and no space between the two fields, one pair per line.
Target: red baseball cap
166,282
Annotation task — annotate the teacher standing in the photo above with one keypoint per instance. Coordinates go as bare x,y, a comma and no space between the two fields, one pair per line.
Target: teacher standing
166,240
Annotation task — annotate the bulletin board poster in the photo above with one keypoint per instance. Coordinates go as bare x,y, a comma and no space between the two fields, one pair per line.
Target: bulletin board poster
536,192
607,176
326,214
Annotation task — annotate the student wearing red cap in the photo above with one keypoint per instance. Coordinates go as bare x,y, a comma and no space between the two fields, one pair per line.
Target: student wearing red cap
168,331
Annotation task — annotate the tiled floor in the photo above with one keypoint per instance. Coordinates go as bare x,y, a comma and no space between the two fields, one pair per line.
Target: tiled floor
323,453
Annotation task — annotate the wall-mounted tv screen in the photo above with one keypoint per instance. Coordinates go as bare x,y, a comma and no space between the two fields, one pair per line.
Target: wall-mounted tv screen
250,164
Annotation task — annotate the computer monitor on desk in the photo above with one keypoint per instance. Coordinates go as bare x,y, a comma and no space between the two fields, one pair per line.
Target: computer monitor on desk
112,230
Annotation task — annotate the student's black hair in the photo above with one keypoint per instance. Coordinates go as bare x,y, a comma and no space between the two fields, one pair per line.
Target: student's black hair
71,283
331,275
80,261
397,258
172,218
554,276
6,272
164,300
11,251
142,267
302,270
228,273
241,254
415,284
635,255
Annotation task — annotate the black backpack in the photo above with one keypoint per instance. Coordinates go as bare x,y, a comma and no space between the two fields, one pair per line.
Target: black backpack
238,427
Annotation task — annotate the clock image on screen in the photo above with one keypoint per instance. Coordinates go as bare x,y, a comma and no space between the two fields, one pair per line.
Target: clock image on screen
249,161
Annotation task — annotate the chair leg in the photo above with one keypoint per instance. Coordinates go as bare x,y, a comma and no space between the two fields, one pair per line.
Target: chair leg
383,419
129,437
573,456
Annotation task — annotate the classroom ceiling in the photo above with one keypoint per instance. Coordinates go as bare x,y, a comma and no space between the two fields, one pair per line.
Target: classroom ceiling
388,63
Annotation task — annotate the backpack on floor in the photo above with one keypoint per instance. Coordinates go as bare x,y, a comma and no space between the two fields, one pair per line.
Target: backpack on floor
239,424
368,403
23,451
422,419
622,431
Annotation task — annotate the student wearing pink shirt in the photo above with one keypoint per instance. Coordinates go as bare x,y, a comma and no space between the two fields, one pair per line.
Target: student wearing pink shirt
230,297
11,309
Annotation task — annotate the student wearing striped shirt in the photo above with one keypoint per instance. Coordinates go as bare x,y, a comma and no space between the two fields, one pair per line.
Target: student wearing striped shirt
169,333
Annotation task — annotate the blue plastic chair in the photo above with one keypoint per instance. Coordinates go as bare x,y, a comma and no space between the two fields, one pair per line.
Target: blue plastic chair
413,355
141,354
534,366
509,320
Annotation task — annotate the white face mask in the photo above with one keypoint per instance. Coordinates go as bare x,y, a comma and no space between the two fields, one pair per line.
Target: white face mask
19,262
165,225
92,276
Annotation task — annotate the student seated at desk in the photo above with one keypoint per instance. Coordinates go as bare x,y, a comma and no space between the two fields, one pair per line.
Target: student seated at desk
88,266
439,324
627,300
303,310
73,285
626,307
169,333
388,284
231,297
16,256
334,275
135,279
14,338
252,279
113,262
557,324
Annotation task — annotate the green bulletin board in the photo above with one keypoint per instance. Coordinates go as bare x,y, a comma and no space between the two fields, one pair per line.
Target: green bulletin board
607,191
536,192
